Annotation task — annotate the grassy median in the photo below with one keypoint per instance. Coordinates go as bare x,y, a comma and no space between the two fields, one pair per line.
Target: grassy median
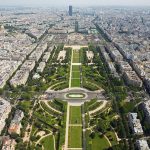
75,137
75,115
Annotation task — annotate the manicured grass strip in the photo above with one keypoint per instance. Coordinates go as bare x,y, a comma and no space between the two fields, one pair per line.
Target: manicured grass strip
76,75
99,143
76,53
75,137
25,106
75,82
58,105
75,68
50,111
75,115
76,57
76,60
75,95
48,143
95,106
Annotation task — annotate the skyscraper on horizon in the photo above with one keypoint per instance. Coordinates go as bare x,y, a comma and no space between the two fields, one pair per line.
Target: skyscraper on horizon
70,10
76,26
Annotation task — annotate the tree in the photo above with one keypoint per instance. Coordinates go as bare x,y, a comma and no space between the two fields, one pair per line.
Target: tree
92,135
21,146
102,126
1,91
14,135
33,138
26,96
19,140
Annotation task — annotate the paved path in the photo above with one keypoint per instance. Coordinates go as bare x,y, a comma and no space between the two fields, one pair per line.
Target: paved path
54,142
56,84
118,139
76,64
75,125
84,130
99,108
45,110
108,140
29,126
75,148
43,138
74,88
70,70
67,128
46,102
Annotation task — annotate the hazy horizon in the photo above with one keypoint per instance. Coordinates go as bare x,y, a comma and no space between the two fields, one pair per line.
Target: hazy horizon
51,3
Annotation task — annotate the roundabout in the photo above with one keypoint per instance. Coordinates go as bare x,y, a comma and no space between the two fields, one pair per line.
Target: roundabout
75,94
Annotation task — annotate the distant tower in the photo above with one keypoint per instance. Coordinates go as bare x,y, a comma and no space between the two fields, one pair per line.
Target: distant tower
70,10
76,26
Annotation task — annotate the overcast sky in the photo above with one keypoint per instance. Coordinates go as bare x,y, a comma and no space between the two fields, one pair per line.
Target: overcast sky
75,2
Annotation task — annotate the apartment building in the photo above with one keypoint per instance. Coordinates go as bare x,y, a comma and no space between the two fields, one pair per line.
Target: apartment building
41,67
46,56
20,78
15,124
5,109
142,145
116,56
131,78
28,65
124,66
146,108
135,124
8,144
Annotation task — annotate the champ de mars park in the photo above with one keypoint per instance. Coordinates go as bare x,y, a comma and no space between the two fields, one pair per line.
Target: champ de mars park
78,109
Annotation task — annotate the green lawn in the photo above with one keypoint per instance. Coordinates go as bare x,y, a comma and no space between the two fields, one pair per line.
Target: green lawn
75,68
76,53
112,137
76,60
75,95
75,137
76,75
48,143
76,57
75,115
99,143
25,105
75,82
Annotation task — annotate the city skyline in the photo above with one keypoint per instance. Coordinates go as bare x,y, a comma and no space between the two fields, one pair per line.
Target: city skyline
75,3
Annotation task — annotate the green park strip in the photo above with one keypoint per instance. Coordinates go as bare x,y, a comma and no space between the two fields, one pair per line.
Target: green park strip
99,143
75,74
75,82
76,57
75,53
75,68
75,95
75,115
48,143
75,137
